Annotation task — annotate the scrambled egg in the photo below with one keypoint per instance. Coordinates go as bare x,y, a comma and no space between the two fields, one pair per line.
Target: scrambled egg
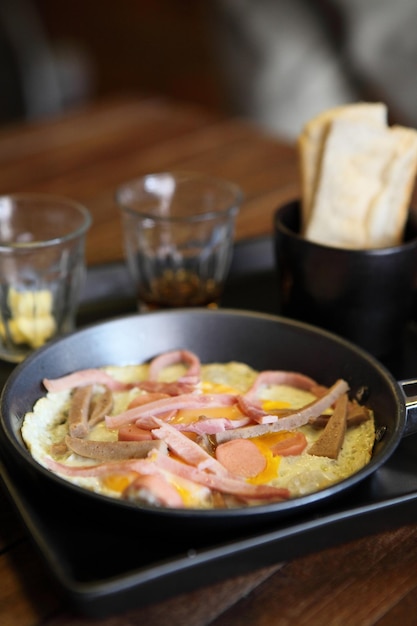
301,474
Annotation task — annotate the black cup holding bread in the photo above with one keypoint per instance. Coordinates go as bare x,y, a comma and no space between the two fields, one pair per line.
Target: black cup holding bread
365,296
346,251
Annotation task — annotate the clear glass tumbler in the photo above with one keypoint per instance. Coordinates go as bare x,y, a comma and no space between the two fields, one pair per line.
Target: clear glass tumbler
178,231
42,241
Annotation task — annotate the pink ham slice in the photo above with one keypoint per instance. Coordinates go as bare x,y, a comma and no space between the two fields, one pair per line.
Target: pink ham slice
148,422
138,466
224,484
83,378
166,359
175,388
158,463
185,448
152,483
212,426
254,411
279,377
167,405
292,421
250,403
145,398
154,489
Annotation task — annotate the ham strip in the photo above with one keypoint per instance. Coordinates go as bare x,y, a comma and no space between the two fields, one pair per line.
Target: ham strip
164,493
212,425
292,421
224,484
279,377
79,410
83,378
166,359
254,411
145,398
171,389
153,489
186,449
250,403
113,450
138,466
186,401
148,422
151,485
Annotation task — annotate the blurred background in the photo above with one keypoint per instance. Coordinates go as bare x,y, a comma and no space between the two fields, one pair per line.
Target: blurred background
275,62
56,55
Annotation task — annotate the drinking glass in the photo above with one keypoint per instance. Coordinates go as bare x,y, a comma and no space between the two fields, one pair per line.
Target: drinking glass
42,240
178,231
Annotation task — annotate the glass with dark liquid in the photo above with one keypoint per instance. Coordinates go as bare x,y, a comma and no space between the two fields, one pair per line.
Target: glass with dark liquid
178,236
179,289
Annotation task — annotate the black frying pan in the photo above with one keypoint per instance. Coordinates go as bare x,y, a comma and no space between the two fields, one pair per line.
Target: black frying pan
263,341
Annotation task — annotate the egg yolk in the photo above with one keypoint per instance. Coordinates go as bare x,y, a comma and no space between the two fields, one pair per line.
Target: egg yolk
270,439
272,464
117,482
186,495
264,443
187,416
209,387
275,405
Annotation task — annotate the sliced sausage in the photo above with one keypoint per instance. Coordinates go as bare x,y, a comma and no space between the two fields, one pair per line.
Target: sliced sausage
291,445
241,457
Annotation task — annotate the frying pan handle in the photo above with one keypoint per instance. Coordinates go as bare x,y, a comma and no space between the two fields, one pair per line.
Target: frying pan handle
409,390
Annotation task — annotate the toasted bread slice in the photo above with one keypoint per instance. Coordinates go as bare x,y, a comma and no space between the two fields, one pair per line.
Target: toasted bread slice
366,178
312,140
388,215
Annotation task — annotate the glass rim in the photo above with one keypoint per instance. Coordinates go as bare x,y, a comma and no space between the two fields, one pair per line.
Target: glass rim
181,175
53,241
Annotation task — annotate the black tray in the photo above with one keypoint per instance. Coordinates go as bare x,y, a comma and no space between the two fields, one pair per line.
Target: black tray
105,565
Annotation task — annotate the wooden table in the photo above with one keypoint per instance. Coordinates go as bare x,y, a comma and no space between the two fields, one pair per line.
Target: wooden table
85,155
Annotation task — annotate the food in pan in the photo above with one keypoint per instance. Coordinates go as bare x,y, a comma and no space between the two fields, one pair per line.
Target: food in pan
178,433
357,177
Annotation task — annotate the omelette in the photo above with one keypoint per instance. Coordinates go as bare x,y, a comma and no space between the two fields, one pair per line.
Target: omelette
177,433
